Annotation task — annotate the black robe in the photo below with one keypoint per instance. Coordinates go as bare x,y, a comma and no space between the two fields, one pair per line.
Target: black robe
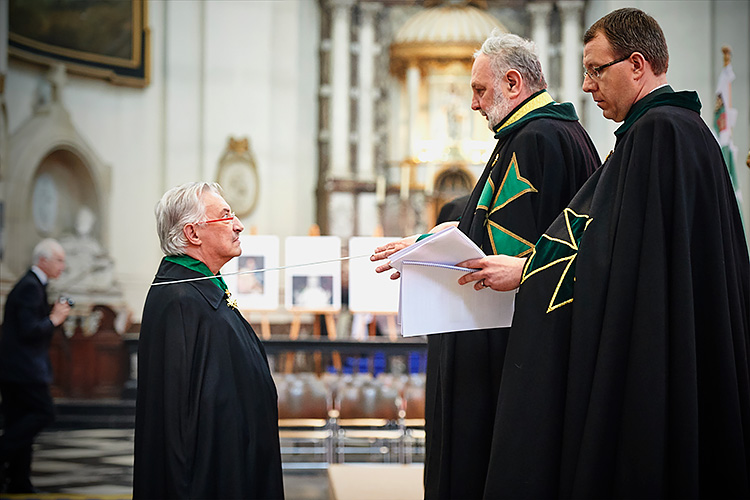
206,411
626,371
542,158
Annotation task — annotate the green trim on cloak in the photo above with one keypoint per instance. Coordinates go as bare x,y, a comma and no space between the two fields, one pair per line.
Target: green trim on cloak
663,96
525,113
197,266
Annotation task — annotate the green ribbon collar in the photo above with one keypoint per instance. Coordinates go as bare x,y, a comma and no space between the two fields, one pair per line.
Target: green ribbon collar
663,96
199,267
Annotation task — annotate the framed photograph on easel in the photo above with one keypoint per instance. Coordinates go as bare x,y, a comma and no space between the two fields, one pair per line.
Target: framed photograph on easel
369,291
255,290
313,284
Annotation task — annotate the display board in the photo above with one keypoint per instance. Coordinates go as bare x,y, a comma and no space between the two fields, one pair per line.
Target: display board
255,291
368,290
312,279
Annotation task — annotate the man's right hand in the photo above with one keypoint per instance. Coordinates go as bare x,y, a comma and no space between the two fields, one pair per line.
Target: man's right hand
59,314
389,249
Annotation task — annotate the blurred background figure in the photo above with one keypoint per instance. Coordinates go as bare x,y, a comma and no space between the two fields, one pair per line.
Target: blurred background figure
25,368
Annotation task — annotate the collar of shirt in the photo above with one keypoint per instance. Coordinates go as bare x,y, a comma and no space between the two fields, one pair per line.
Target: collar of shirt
40,274
660,86
662,96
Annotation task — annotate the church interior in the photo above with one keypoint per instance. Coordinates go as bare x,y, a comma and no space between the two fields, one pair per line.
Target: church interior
332,126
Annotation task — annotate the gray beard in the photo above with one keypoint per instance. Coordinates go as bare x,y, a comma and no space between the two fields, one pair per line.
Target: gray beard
497,113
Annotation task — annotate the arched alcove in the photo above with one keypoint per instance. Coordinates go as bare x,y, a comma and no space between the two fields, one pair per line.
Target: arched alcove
453,181
61,186
52,173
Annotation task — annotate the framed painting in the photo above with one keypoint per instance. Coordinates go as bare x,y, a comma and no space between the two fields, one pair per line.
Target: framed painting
106,39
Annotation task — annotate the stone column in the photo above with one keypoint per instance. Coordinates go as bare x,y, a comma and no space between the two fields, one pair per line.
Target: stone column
367,203
413,78
4,26
340,87
540,31
570,14
366,115
3,128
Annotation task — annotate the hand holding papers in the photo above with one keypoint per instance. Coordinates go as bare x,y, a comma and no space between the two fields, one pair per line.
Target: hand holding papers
449,246
432,301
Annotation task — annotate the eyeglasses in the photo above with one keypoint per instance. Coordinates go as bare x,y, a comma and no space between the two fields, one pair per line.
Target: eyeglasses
226,218
596,73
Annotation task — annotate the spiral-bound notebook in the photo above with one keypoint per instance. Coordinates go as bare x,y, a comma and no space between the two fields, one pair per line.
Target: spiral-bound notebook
449,246
432,301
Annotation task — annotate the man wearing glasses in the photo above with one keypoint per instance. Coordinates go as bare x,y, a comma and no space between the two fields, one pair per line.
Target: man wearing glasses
206,409
626,373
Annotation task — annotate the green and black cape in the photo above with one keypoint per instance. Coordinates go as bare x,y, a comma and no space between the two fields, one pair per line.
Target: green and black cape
626,370
543,156
206,423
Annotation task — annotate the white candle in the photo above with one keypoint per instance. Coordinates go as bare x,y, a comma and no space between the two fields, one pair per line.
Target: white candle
380,189
405,178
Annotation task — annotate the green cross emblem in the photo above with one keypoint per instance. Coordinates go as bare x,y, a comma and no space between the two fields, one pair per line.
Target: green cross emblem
551,251
512,186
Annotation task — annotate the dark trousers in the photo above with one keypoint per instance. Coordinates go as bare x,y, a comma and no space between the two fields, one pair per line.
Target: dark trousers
27,409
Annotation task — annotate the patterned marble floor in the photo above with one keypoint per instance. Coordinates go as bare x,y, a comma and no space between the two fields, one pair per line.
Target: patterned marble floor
98,463
85,462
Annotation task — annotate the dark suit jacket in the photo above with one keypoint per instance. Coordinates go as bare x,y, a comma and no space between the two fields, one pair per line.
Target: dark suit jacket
27,332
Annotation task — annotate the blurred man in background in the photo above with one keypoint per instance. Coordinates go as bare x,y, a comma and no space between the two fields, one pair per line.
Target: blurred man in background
25,368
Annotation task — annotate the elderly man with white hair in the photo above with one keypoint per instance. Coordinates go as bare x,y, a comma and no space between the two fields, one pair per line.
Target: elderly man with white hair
206,410
25,368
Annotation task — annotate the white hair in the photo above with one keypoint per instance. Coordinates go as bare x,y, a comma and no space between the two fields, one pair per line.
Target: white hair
179,206
46,249
508,51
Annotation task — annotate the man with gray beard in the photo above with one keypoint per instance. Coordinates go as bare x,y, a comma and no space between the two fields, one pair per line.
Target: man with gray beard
542,157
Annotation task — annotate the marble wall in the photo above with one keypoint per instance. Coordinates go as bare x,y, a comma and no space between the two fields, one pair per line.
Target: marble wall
695,33
218,69
251,69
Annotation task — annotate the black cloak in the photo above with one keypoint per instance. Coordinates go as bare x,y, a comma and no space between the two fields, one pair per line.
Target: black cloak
206,411
626,371
543,156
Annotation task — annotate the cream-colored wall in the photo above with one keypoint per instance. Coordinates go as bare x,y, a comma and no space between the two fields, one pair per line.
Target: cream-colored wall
218,69
250,68
695,31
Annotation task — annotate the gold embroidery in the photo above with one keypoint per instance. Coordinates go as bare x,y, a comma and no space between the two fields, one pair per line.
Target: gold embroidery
512,235
513,165
541,100
572,243
231,302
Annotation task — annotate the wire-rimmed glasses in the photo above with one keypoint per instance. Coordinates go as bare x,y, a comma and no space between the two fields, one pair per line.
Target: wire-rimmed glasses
596,73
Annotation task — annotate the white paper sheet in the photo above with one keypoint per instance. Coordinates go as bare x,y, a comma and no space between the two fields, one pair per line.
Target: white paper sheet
449,246
432,301
369,291
315,285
